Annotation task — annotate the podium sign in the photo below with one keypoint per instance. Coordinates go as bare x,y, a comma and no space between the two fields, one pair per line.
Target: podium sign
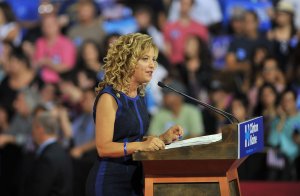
207,169
250,137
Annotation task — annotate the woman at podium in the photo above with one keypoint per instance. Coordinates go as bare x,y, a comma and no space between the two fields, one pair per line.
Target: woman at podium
121,118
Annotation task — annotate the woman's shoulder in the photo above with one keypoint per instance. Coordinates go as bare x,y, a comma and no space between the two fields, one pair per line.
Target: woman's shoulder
110,91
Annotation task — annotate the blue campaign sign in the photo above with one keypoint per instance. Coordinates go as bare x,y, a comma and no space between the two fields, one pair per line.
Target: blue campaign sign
251,137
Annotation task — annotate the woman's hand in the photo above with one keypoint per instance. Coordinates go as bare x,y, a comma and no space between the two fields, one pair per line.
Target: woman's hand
172,134
152,144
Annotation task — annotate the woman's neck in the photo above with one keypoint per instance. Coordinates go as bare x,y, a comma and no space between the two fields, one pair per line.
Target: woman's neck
132,91
51,39
292,112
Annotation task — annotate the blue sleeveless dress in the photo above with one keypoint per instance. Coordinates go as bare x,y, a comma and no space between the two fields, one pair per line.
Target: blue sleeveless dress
121,176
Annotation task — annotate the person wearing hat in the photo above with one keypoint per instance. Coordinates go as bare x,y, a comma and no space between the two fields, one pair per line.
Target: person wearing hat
283,35
176,111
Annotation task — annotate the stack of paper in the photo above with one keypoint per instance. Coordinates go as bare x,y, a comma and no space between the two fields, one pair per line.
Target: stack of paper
196,141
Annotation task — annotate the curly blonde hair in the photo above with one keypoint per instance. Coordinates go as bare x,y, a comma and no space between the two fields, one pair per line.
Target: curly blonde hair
121,60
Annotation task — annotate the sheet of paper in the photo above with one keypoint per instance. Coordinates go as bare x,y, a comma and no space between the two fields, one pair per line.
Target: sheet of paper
196,141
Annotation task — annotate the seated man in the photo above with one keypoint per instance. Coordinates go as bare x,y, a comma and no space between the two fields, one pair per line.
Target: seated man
52,171
176,111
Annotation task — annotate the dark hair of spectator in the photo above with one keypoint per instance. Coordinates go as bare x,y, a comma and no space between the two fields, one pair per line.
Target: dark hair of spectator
39,108
20,55
143,8
242,98
270,58
106,41
91,4
7,12
80,60
204,53
253,13
288,90
259,107
292,24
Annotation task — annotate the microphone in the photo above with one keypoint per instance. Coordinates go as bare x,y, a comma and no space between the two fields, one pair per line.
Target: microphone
227,115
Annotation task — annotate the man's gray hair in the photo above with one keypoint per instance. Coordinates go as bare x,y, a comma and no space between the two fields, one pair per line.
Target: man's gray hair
48,122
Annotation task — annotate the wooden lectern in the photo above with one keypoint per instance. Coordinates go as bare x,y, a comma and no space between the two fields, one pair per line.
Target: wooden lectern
209,169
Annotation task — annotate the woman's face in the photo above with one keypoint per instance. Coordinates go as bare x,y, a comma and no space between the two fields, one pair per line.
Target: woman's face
192,46
283,18
90,52
268,97
250,23
145,67
15,66
288,102
270,71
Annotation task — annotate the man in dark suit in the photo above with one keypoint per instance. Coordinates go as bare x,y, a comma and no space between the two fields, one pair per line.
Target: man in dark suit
52,171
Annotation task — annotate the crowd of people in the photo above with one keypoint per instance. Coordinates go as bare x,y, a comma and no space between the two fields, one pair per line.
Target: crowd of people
243,58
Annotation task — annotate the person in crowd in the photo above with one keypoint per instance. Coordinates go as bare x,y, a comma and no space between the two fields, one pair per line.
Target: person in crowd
296,15
6,49
267,101
196,69
220,96
9,29
175,33
176,111
241,50
283,35
260,54
121,117
19,75
16,143
143,16
64,134
284,150
239,107
83,150
49,95
108,40
219,43
236,23
205,12
254,167
52,170
19,129
89,26
158,10
269,73
54,53
88,66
